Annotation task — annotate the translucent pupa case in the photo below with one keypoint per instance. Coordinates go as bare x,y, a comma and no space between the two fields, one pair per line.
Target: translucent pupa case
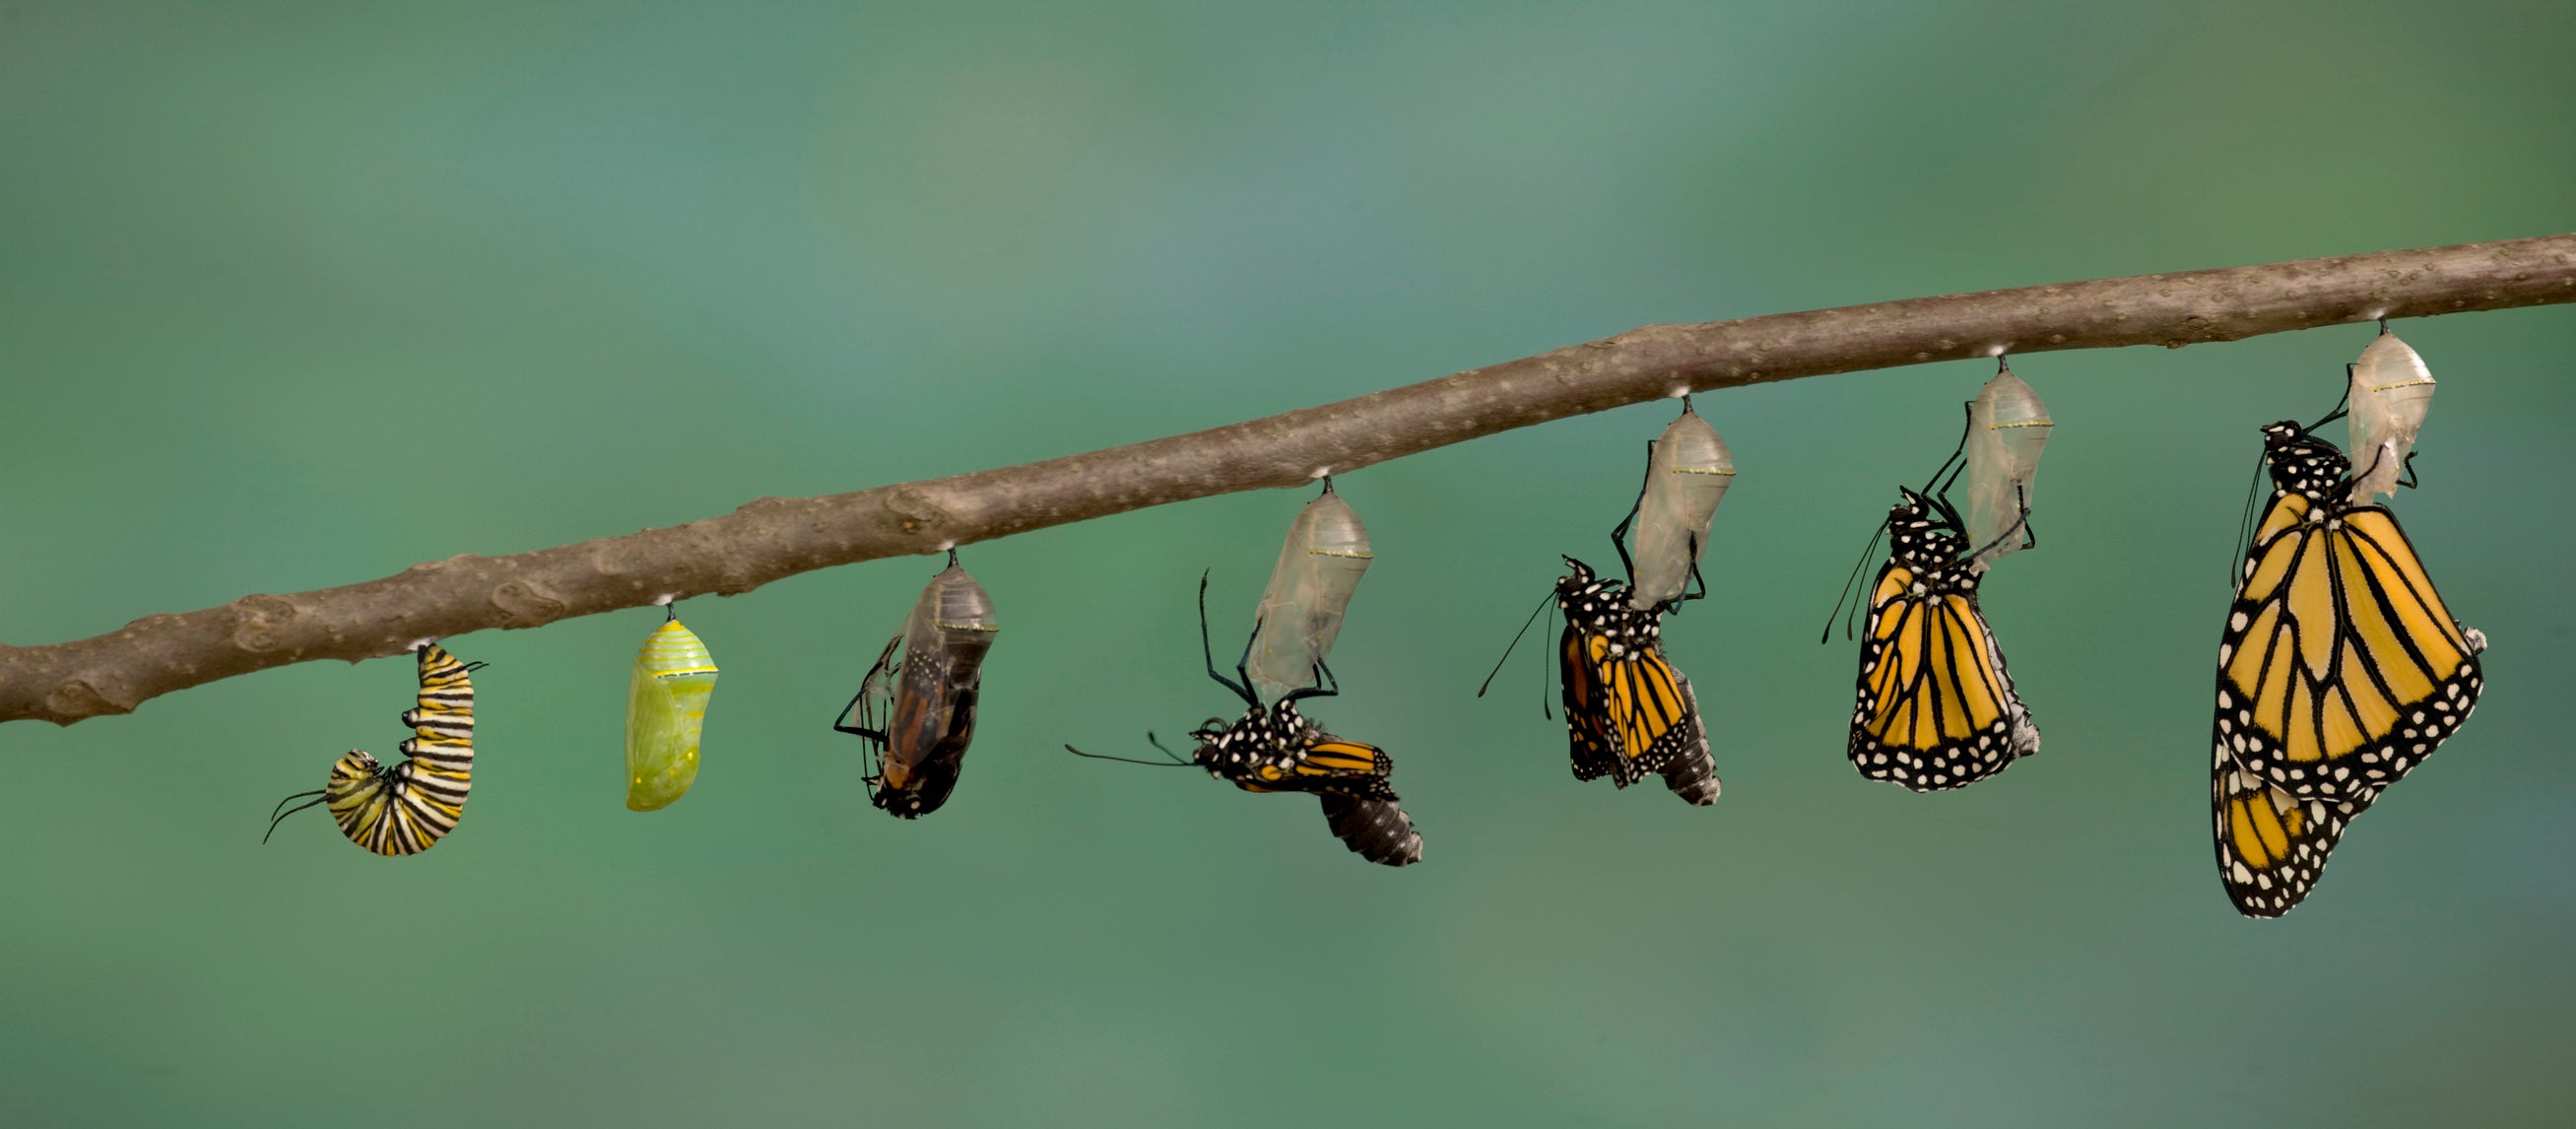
1687,474
2008,427
1319,567
2391,392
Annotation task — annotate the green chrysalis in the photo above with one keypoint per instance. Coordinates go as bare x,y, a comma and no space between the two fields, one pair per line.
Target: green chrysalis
666,704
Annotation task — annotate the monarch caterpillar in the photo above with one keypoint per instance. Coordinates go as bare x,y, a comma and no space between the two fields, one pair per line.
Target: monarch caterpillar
1276,749
1320,566
917,711
666,706
2007,430
408,808
1687,472
2390,392
2339,670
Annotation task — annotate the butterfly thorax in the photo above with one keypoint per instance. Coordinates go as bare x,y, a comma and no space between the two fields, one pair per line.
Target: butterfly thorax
1598,608
1926,540
1271,736
2304,464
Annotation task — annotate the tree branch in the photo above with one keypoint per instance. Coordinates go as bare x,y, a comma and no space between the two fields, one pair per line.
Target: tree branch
777,537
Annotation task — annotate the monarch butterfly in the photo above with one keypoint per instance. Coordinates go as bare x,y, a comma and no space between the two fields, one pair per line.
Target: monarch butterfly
2008,429
1936,706
2390,392
406,809
2339,670
1627,711
917,712
1320,566
1277,749
666,707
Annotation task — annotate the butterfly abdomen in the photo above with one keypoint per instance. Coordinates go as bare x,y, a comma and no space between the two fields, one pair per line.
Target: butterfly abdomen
1376,830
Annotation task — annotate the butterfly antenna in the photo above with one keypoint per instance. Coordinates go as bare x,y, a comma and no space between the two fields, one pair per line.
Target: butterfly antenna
277,816
1167,756
1516,641
1866,551
2245,523
1546,672
1127,760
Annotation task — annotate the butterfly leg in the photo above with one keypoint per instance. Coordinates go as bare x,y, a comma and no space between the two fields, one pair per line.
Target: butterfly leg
1619,532
1207,651
1326,686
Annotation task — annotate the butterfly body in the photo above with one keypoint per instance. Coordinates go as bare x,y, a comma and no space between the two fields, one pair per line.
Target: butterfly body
1279,750
1936,707
1628,713
2339,671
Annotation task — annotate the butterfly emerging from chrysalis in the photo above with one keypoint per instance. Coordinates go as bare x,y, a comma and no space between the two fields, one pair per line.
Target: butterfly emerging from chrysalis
1935,705
2339,669
1276,748
407,808
916,707
1629,713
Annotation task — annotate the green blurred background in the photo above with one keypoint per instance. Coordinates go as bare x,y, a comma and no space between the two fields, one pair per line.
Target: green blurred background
301,294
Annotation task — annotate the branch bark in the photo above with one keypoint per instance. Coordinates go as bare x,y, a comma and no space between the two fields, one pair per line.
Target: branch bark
770,538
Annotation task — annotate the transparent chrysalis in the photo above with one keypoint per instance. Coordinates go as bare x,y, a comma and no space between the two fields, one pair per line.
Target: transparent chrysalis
2007,429
1687,474
916,708
666,705
1319,567
2391,391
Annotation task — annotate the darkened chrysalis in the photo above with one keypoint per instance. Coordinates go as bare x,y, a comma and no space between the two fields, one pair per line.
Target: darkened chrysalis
916,707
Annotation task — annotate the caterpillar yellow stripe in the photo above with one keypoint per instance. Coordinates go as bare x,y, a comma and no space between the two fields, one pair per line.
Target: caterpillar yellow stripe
408,808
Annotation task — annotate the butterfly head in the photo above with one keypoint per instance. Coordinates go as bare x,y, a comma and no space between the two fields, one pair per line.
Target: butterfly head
1599,606
1923,533
2302,463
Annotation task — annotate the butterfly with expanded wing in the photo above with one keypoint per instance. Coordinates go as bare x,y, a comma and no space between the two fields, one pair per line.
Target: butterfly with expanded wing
2338,672
1936,707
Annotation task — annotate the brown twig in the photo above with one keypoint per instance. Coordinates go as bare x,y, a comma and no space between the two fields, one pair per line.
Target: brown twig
776,537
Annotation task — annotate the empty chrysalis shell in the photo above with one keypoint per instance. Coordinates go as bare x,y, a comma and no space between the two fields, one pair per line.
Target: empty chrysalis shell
930,717
1319,567
2007,429
2391,391
1687,474
666,704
